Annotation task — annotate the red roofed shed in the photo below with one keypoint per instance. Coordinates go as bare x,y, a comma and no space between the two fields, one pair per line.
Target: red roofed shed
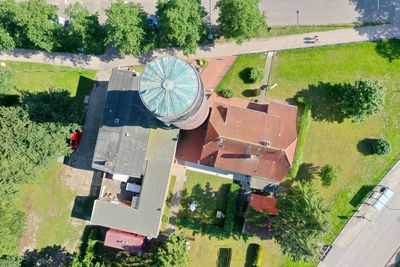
264,203
124,241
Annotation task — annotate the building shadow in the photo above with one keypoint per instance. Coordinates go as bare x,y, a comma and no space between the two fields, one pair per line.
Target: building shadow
82,208
50,256
361,195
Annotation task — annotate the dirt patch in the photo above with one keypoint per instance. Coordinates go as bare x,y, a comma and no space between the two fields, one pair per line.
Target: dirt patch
28,238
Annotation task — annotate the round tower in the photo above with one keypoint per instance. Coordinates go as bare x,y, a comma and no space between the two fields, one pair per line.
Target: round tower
173,92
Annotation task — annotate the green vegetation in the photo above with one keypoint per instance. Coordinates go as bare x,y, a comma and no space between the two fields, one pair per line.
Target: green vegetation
84,32
89,257
174,252
181,23
380,146
330,139
7,82
168,203
225,92
305,119
258,259
49,202
237,78
295,29
128,28
257,75
240,20
329,175
303,220
232,199
38,130
362,99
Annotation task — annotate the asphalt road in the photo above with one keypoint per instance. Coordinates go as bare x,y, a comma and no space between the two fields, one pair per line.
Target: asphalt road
278,12
372,238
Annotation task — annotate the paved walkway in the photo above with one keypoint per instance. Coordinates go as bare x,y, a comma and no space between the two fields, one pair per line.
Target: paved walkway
371,237
265,83
111,60
176,199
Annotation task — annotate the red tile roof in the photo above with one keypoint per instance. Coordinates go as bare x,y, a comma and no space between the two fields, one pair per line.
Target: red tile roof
264,203
257,140
123,240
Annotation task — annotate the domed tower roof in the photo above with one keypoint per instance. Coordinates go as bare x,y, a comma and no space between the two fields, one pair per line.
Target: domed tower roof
169,86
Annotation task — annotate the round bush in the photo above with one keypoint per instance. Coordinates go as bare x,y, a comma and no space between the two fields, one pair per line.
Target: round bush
380,146
227,93
256,75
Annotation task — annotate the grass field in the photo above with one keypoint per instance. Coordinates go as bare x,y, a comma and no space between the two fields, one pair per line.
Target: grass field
39,77
209,192
329,141
237,78
49,202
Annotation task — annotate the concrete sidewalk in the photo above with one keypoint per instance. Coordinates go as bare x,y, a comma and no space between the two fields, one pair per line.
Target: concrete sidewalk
371,237
111,59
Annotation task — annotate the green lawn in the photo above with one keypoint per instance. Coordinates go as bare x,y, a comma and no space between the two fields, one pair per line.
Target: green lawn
237,78
168,203
337,143
209,194
294,29
39,77
49,202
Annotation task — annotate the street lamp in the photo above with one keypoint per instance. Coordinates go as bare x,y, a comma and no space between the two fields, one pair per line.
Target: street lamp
297,15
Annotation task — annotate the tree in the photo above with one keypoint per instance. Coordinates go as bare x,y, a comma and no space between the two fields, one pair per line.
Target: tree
181,23
27,147
12,224
256,75
380,146
329,175
232,198
127,27
240,20
38,24
303,220
84,30
174,252
54,105
10,261
364,98
6,41
7,82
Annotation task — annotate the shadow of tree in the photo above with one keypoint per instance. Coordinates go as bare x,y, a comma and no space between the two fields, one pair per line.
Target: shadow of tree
389,49
325,101
365,146
307,172
251,254
245,75
251,92
52,256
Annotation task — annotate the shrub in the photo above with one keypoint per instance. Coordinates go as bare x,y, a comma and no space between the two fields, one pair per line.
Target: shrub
232,198
258,259
202,62
256,75
380,146
227,93
328,175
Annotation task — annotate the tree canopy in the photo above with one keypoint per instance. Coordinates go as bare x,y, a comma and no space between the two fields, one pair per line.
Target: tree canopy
240,20
181,23
174,252
128,29
303,219
361,99
6,41
380,146
84,30
329,175
7,82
